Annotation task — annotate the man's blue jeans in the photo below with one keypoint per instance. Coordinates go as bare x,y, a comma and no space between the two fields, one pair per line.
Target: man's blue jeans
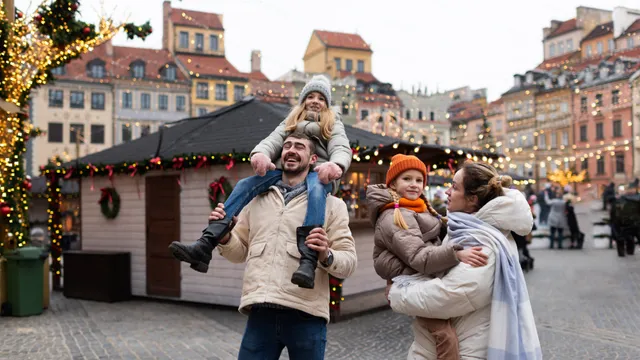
248,188
269,330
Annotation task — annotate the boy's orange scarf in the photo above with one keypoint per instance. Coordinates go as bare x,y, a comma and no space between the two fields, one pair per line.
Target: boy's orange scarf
417,205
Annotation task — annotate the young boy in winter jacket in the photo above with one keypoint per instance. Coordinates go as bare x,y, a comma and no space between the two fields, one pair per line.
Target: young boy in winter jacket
406,238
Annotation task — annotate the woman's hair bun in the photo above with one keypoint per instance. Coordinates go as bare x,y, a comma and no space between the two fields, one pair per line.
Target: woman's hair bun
501,181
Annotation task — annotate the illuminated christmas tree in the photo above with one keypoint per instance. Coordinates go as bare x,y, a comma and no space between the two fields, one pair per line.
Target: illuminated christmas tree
30,47
566,177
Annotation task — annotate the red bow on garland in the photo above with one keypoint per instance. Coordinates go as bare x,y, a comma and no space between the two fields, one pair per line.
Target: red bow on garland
156,161
68,175
230,164
110,173
216,187
202,161
106,194
134,169
178,163
450,164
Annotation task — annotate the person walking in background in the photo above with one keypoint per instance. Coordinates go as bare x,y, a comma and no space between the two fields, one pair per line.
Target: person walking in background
544,206
577,237
625,219
557,219
607,195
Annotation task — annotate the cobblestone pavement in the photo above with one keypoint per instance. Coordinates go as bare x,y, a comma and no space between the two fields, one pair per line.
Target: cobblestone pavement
586,303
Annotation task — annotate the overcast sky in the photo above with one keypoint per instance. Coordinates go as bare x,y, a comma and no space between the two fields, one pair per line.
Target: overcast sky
434,43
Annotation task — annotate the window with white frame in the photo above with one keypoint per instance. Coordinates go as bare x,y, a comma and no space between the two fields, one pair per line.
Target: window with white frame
77,100
620,163
202,90
184,39
60,70
163,102
170,73
213,42
97,100
238,92
125,132
145,101
199,42
600,166
96,69
97,134
137,70
221,91
181,102
127,100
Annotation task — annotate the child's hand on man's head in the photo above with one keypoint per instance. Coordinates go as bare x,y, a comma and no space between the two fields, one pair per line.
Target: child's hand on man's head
328,172
261,164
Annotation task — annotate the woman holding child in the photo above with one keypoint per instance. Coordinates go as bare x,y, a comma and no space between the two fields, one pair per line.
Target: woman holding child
483,298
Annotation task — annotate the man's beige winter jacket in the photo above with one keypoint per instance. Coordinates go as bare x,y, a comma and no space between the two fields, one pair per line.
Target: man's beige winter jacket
265,237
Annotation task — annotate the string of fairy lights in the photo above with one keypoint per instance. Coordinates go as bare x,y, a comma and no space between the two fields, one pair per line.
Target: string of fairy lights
526,144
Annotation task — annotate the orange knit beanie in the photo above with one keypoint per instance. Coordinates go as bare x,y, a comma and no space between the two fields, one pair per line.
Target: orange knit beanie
401,163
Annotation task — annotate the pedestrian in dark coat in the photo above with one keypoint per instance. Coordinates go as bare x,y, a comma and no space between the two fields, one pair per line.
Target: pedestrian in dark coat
577,237
608,195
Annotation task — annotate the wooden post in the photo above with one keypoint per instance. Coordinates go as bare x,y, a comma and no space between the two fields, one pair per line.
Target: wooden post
10,9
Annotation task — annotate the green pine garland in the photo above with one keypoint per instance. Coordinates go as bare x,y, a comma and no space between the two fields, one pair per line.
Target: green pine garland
141,31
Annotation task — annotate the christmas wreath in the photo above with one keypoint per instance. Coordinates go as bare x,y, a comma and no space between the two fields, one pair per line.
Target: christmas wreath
109,202
219,191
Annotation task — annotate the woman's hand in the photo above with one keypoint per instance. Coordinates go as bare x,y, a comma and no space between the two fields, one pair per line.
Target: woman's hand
472,256
328,172
261,163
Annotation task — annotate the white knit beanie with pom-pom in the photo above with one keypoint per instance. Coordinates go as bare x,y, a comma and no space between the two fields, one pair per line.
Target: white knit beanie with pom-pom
320,84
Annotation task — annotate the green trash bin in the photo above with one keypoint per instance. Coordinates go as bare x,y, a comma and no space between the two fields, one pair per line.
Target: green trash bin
25,281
